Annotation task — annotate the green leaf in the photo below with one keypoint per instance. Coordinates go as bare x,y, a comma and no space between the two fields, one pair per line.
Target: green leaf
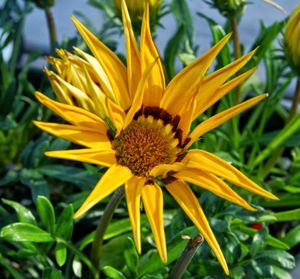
131,256
150,262
24,214
281,273
113,273
64,227
291,215
283,258
292,127
60,253
258,242
10,177
10,268
25,232
46,213
292,238
77,267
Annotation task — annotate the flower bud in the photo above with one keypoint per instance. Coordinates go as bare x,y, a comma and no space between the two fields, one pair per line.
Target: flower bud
292,39
229,8
136,9
44,4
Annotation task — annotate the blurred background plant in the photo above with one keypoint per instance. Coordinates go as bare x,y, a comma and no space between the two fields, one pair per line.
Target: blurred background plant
39,238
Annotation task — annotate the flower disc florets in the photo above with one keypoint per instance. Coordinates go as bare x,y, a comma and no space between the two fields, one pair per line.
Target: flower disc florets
144,144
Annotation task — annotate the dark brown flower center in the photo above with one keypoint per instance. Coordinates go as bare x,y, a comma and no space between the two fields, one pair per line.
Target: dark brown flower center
144,144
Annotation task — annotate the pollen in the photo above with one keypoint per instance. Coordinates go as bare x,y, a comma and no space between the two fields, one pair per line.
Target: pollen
144,144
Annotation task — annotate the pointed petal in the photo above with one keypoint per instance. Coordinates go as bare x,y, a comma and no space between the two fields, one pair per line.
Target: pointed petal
208,162
185,83
149,54
218,119
133,190
79,135
138,97
93,156
132,53
213,184
116,115
153,202
115,176
190,205
209,97
72,114
163,169
113,67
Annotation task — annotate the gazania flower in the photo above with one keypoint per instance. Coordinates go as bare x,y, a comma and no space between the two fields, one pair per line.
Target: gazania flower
130,121
292,38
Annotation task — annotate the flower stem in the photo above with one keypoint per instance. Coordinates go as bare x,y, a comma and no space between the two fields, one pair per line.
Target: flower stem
279,151
237,50
186,257
102,226
51,28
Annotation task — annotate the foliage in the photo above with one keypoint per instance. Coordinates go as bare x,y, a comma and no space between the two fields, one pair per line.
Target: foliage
40,239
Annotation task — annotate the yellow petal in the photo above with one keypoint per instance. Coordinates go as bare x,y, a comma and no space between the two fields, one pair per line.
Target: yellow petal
208,162
74,115
93,156
116,115
190,205
218,119
138,97
209,97
79,135
149,54
153,202
115,176
185,83
163,169
113,67
132,53
133,190
213,184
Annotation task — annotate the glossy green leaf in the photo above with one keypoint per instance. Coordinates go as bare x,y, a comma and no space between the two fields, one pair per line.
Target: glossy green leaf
292,238
46,213
60,253
113,273
24,214
25,232
283,258
280,273
64,227
131,256
290,215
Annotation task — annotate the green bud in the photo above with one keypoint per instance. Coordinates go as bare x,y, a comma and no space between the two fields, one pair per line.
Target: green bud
44,4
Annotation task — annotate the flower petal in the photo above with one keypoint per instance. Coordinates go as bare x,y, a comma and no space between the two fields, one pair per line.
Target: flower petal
213,184
153,202
115,176
132,53
93,156
113,67
208,162
190,205
209,97
116,115
72,114
79,135
185,83
149,54
218,119
163,169
133,190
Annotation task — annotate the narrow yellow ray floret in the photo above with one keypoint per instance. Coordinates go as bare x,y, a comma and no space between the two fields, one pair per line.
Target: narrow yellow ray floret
129,120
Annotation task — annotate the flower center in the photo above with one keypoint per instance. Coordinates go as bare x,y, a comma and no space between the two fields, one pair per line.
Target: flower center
144,144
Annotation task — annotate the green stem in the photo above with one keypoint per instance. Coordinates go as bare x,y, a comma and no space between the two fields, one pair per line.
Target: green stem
279,151
186,257
51,28
102,226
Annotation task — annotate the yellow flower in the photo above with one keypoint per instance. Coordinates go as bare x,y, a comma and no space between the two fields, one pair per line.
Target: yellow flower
292,39
130,121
